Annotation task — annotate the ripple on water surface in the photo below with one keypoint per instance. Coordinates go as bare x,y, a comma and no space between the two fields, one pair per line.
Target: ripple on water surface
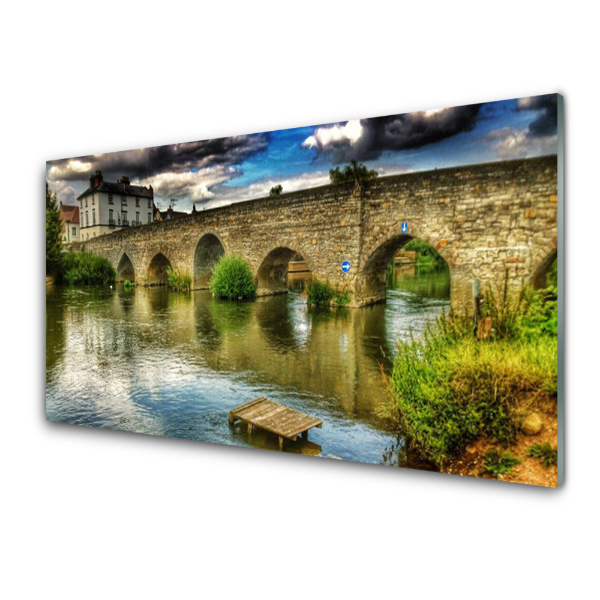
156,362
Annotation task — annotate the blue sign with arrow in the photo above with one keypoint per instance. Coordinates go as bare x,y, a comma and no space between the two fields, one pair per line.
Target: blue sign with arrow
404,227
346,266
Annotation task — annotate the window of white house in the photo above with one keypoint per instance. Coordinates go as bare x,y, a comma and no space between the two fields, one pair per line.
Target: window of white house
137,201
123,201
110,199
87,219
137,218
73,231
110,215
149,217
124,212
149,203
93,199
86,202
94,216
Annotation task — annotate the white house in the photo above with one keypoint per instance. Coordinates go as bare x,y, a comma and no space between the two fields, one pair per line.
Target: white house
106,207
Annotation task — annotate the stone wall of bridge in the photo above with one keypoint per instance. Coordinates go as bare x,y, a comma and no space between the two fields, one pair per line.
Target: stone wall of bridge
491,223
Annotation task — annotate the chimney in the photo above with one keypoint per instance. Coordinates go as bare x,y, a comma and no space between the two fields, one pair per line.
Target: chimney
124,180
151,190
99,178
92,182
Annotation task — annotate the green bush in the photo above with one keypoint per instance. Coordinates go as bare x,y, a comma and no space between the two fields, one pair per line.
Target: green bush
322,294
428,259
178,282
232,279
355,172
128,285
83,268
499,464
545,453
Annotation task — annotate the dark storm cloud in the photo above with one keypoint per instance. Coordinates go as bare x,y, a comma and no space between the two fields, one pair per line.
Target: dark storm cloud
395,132
546,122
174,158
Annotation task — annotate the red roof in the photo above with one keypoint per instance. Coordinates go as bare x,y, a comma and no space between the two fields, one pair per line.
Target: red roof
69,213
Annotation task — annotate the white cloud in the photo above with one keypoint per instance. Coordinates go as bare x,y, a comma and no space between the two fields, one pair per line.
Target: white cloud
261,189
516,143
326,136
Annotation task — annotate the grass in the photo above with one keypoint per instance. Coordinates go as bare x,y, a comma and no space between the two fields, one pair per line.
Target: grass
178,282
84,268
450,389
232,279
496,463
545,453
322,294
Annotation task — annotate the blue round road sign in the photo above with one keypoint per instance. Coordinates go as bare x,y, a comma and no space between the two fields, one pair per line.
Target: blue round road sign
346,266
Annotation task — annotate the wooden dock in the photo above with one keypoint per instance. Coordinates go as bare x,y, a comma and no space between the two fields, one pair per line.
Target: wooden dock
285,422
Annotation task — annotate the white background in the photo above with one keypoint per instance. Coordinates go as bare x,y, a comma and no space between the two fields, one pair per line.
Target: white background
94,514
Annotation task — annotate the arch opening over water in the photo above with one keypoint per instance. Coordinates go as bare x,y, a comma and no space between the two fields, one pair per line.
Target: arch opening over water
545,268
208,251
157,271
409,260
125,270
281,268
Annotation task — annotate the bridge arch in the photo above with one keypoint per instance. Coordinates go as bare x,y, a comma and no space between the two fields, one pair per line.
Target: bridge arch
207,252
271,277
125,269
540,273
372,277
157,270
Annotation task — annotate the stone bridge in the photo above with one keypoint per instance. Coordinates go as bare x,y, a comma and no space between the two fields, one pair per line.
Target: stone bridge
492,223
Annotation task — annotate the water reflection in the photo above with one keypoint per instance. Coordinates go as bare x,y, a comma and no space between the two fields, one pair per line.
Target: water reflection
154,361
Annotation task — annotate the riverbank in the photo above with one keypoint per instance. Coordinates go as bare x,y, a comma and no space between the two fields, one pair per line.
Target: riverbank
472,461
472,402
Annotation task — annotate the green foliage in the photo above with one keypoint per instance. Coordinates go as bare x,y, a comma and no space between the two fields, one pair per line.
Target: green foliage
451,389
232,279
54,245
178,282
83,268
128,285
545,453
499,464
276,190
532,314
428,258
552,275
355,172
322,294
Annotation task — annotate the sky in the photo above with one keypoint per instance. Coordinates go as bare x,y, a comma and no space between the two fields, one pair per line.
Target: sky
221,171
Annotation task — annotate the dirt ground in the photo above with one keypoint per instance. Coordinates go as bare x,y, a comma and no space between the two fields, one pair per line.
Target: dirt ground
529,470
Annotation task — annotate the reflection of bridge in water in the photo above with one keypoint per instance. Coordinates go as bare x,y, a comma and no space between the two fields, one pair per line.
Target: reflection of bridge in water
489,222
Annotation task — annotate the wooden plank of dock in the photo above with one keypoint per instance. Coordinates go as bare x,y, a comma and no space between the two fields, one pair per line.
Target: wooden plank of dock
283,421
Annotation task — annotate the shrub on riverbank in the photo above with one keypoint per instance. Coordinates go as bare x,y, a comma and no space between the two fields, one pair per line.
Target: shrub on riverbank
178,282
83,268
232,279
450,389
322,294
128,285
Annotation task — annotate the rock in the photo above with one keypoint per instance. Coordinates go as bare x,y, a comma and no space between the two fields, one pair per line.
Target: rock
532,425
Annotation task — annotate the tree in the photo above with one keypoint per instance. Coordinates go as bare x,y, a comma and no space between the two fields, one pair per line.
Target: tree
276,190
53,234
355,172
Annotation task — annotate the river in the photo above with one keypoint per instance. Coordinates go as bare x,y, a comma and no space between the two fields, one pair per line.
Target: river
158,362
